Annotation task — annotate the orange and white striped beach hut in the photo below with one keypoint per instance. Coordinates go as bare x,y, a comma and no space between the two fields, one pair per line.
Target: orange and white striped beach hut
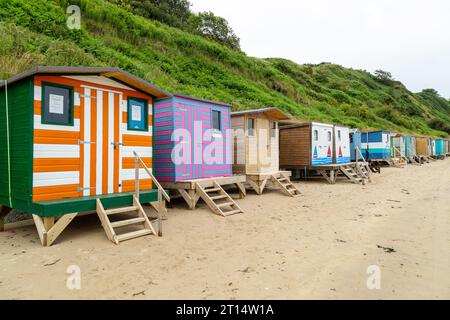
68,137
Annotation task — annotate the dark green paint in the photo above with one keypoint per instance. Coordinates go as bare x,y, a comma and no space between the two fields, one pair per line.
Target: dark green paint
20,101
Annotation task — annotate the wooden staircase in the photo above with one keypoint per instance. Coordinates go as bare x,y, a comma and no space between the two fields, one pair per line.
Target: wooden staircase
218,200
286,186
351,173
364,171
110,227
140,219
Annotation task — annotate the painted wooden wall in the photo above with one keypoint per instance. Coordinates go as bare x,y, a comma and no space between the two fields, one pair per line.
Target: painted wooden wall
355,142
376,144
260,151
341,145
179,115
63,168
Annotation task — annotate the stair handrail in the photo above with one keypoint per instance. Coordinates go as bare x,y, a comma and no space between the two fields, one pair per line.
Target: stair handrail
161,191
358,151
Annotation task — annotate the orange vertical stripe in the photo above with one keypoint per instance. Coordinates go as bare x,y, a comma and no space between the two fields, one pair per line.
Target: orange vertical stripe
105,144
93,139
116,138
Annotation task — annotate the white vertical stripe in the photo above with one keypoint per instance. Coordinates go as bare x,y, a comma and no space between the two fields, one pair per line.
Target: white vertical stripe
112,96
99,143
38,93
120,146
76,98
87,147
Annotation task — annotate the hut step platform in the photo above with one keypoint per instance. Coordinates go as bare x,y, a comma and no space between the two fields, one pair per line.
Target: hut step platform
140,220
218,200
358,173
280,179
211,191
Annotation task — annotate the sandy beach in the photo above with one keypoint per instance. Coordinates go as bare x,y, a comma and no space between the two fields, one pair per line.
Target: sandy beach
318,245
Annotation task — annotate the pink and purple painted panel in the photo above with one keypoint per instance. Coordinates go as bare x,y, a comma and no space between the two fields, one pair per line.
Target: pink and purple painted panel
209,151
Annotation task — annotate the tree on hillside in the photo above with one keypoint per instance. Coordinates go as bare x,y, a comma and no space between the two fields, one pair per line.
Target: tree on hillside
215,28
384,77
174,13
431,91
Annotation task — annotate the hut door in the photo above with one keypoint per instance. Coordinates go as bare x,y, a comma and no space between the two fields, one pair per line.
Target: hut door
264,146
100,142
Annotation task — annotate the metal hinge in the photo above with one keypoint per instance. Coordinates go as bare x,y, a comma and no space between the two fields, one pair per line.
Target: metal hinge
117,144
85,96
83,189
85,142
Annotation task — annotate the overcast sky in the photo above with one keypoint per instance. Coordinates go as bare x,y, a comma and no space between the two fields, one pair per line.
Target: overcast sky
409,38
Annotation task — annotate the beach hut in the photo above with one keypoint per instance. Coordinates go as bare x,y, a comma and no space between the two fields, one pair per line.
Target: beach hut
447,147
376,145
193,151
355,144
341,145
309,147
399,146
423,147
410,148
256,149
439,147
433,148
71,140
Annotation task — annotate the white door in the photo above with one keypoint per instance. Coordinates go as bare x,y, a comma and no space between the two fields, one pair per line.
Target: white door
322,144
101,141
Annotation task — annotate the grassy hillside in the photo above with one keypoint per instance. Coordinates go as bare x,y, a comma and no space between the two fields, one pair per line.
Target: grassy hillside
35,33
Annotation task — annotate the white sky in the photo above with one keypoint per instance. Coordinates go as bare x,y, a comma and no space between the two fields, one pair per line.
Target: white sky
409,38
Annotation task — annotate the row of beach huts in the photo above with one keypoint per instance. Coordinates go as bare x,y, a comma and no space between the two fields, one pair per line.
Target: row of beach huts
78,140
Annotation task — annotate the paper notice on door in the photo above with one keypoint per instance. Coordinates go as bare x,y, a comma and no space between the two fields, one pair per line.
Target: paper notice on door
56,104
136,113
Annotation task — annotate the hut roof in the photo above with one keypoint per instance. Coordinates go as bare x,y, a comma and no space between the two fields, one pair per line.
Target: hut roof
112,73
183,96
271,112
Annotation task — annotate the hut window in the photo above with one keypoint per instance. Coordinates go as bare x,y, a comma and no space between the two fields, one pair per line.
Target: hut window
251,126
316,135
216,120
273,129
329,135
137,114
57,104
339,135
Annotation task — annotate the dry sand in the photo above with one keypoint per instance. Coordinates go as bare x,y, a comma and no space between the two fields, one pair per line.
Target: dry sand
316,246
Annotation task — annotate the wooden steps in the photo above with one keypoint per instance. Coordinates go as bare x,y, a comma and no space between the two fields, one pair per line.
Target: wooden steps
351,173
218,200
285,185
140,220
358,172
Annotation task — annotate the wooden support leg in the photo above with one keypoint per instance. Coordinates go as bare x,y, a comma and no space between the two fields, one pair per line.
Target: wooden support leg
325,175
254,185
191,197
2,221
333,175
48,230
49,222
242,191
3,212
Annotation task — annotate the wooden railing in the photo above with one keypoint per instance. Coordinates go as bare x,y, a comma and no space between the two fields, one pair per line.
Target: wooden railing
359,155
161,192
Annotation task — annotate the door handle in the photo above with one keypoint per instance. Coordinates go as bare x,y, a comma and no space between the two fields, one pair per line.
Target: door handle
85,142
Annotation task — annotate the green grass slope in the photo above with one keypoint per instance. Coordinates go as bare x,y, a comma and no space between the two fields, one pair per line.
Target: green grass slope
34,33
